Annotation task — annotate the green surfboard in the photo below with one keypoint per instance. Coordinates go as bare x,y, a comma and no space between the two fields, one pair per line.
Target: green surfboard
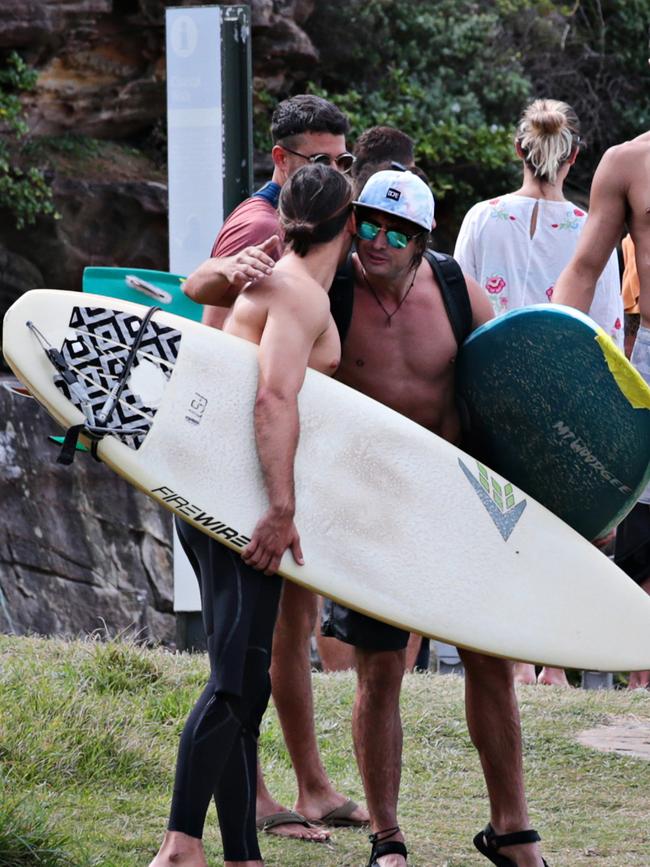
143,286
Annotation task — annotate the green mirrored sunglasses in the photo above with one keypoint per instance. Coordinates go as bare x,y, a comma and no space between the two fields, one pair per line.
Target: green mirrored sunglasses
368,231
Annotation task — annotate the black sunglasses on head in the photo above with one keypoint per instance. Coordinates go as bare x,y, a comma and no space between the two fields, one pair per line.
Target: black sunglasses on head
344,161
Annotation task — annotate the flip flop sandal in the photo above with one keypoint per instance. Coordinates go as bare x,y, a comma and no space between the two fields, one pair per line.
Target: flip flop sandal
285,817
380,848
487,842
341,817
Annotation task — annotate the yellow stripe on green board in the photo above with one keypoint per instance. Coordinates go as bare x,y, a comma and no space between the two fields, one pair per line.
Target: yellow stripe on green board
628,379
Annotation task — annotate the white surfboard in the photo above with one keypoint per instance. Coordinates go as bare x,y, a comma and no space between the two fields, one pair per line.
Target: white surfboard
394,521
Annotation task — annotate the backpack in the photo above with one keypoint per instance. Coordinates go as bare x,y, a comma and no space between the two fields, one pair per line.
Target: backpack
452,287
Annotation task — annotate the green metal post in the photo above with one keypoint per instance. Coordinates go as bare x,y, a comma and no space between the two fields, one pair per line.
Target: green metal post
237,97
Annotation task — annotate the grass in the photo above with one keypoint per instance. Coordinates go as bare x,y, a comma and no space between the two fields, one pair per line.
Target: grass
27,837
89,732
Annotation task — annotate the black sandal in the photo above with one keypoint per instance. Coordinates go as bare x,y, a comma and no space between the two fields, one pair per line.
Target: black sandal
381,848
487,842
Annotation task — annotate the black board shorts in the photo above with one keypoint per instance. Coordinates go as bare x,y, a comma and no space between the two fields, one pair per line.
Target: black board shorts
361,631
632,548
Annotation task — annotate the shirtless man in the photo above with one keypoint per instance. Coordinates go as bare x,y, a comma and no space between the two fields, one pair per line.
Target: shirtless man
379,147
400,350
288,315
304,129
620,195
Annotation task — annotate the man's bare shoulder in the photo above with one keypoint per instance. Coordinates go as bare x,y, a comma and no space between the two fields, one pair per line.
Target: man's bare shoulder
627,154
291,282
621,177
287,289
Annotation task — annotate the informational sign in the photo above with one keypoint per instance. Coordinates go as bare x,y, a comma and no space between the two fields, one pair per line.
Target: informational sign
209,146
195,134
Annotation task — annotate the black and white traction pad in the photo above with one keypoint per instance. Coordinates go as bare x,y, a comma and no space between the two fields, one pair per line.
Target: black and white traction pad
100,355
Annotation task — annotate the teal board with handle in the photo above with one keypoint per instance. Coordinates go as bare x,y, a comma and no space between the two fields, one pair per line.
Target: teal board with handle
550,403
142,286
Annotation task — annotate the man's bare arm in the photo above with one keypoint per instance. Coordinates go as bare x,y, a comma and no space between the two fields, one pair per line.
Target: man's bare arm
605,225
481,307
218,281
289,336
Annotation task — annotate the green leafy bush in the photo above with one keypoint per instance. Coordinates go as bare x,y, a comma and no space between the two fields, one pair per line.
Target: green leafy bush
455,75
23,189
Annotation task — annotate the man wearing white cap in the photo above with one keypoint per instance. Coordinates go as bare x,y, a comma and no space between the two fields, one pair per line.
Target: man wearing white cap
400,349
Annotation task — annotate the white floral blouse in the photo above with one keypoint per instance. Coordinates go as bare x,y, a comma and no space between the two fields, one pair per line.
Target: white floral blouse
496,248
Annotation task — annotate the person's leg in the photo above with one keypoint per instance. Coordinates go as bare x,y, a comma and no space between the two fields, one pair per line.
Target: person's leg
377,731
632,555
524,672
494,726
235,793
293,698
553,677
212,748
213,729
640,679
412,651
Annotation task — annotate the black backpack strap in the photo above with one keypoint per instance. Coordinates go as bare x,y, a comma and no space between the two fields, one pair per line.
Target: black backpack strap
454,292
342,297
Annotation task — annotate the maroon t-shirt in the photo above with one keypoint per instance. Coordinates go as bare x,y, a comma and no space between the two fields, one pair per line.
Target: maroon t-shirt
252,222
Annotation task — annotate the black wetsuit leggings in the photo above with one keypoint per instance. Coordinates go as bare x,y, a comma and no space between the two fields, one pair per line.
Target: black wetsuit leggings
218,749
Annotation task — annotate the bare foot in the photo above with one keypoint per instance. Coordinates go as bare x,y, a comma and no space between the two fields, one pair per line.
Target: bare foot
318,808
180,850
553,677
269,814
268,811
524,673
639,680
527,855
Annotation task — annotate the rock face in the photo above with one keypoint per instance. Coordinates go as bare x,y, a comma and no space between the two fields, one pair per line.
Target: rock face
78,546
80,549
102,223
17,275
101,73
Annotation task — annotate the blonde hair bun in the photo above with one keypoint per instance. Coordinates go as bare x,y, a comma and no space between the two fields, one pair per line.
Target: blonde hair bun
548,132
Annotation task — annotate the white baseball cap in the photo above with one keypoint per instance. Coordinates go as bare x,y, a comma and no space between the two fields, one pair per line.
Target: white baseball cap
401,194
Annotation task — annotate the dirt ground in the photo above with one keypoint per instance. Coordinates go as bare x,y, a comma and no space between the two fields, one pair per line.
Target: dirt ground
627,736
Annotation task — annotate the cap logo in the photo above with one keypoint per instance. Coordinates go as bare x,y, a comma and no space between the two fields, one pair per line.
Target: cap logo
393,194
